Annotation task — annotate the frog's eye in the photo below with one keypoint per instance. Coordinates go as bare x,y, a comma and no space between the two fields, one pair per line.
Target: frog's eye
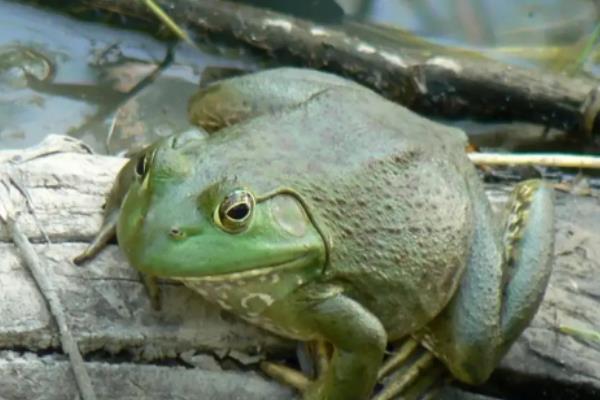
235,211
142,165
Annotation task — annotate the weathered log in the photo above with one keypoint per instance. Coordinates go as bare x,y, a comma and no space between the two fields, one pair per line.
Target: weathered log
137,350
106,306
35,377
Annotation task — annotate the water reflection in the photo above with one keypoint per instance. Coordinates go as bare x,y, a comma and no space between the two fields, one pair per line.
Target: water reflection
62,75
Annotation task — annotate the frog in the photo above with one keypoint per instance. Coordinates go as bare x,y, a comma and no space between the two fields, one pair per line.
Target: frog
322,212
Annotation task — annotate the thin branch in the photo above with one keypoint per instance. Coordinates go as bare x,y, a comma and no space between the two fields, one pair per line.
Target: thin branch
547,160
29,202
165,19
36,267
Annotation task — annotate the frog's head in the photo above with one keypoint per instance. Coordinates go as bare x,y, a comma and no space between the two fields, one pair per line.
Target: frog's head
181,218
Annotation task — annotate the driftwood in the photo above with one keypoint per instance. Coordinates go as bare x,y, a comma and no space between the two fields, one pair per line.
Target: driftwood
451,85
192,349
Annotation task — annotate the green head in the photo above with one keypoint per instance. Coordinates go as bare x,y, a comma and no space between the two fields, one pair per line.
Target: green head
187,217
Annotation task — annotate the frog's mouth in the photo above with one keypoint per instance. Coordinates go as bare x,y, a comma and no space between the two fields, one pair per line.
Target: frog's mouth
279,268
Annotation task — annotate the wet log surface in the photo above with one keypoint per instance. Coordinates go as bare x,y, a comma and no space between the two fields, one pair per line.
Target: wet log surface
192,349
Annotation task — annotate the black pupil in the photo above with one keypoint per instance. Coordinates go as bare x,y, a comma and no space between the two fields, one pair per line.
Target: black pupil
140,167
239,211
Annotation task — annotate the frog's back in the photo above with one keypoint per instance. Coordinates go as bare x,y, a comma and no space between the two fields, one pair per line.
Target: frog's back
387,186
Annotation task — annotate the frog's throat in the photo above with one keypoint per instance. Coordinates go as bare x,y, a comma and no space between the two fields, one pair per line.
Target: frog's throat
291,192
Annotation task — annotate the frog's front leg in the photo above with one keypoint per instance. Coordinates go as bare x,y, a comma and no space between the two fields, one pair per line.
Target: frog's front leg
112,207
107,232
356,335
502,287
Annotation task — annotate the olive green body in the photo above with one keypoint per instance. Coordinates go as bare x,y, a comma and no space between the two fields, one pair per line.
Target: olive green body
355,222
392,198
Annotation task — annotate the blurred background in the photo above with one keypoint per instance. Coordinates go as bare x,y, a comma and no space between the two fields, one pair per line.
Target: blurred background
75,69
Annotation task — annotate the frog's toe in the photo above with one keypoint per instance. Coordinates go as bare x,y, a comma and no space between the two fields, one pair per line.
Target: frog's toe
314,356
412,372
85,255
103,237
428,385
286,375
91,250
406,350
152,289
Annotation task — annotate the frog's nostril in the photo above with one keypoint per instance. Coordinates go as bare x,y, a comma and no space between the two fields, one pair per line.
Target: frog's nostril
179,232
176,233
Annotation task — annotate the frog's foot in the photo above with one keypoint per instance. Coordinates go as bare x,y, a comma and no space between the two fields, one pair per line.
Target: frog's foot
528,249
106,234
410,373
314,360
152,288
286,375
501,288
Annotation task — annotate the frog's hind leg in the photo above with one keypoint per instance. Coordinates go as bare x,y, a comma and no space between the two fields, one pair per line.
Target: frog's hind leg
410,371
528,245
240,98
501,288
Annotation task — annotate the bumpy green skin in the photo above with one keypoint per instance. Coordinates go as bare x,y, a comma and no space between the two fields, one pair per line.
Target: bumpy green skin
370,224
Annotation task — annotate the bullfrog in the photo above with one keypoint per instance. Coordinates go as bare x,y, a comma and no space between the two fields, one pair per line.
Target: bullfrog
320,211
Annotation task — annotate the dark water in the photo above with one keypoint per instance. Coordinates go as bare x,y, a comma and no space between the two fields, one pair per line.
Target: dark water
93,65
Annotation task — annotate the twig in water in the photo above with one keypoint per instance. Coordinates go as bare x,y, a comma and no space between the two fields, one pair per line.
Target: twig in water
168,21
111,130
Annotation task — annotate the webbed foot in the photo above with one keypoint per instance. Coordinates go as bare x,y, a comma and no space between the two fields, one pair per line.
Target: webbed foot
411,372
316,354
